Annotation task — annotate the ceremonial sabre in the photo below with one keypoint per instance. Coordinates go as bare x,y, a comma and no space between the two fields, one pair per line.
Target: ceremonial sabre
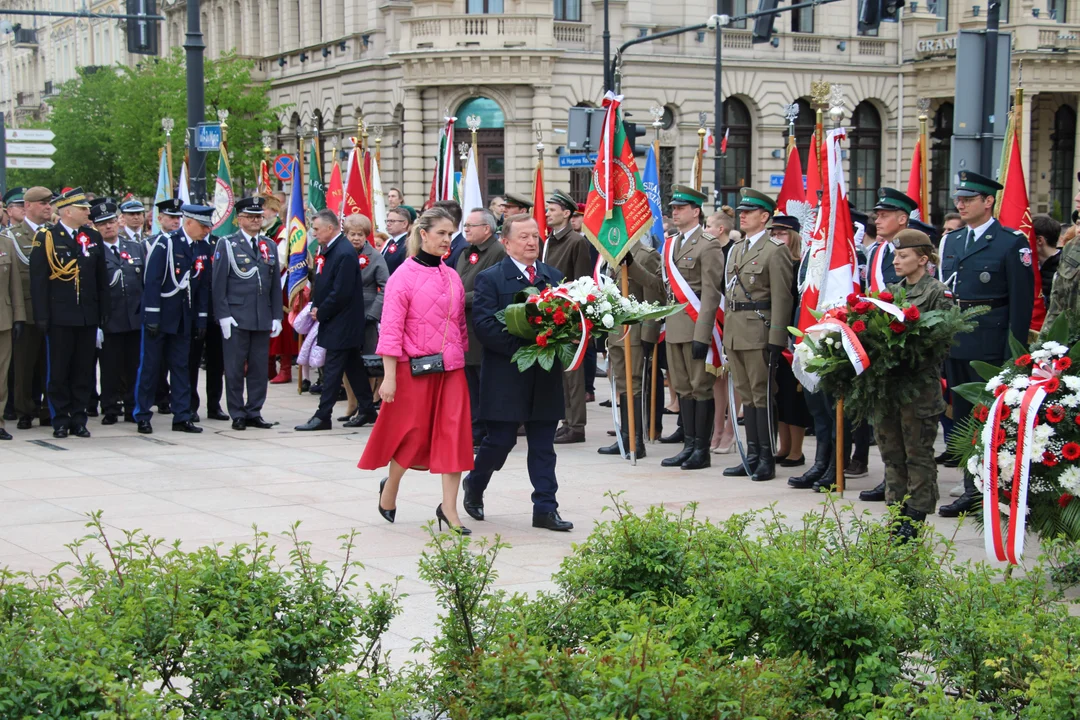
615,413
735,426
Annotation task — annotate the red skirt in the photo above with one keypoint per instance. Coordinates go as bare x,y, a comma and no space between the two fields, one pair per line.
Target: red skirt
427,427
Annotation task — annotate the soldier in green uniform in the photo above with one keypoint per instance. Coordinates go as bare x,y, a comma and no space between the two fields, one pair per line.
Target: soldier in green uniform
906,436
642,267
13,203
757,309
516,204
1065,295
694,264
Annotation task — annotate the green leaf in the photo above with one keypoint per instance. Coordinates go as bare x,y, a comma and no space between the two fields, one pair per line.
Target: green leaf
546,358
985,369
1016,347
975,393
1058,331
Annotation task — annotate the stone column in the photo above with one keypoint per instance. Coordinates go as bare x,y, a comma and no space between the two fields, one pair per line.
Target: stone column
412,148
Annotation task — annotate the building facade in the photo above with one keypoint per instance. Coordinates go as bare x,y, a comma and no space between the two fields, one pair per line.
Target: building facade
521,64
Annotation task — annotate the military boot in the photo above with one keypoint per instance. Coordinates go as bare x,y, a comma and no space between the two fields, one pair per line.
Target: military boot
704,412
686,414
766,465
613,449
753,447
821,463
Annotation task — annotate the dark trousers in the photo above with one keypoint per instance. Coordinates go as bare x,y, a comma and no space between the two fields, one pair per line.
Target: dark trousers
119,368
29,366
824,415
958,372
168,352
215,367
348,363
472,377
859,436
70,374
9,405
251,348
500,440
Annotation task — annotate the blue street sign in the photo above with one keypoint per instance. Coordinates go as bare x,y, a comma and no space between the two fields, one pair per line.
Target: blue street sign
208,137
776,181
577,160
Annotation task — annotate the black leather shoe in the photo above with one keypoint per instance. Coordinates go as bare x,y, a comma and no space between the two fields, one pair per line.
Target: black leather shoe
315,424
164,409
109,419
239,424
472,501
92,412
4,434
258,422
766,465
612,449
551,521
186,426
875,495
367,418
388,515
676,437
826,483
753,448
788,462
305,385
965,503
315,389
9,415
808,478
344,418
457,529
25,423
145,428
195,417
60,433
81,432
216,414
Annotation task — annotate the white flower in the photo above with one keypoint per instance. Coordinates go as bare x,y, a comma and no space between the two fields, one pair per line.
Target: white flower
1012,398
1070,480
1070,401
1006,462
1072,382
993,383
830,342
605,306
1020,382
625,304
608,321
1055,348
1040,440
974,465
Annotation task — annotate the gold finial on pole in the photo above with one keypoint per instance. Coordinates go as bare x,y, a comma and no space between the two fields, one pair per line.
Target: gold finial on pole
223,116
167,124
791,112
377,132
702,119
819,92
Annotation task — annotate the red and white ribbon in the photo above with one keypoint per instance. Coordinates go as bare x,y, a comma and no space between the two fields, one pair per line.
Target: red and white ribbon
84,240
611,103
1011,547
683,293
319,262
855,352
583,342
888,307
198,266
874,274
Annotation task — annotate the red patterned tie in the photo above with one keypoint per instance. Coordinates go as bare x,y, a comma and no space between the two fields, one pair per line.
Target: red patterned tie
532,273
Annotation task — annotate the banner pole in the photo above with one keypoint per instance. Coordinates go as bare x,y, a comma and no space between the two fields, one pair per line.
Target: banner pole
840,446
628,350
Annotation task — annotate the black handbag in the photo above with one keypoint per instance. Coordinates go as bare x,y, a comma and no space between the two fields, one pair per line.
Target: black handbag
373,365
431,364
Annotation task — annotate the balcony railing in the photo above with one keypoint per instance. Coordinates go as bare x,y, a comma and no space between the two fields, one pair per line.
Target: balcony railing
573,35
1059,38
450,32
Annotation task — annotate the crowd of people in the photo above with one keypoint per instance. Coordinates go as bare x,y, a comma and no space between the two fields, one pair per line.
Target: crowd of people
101,313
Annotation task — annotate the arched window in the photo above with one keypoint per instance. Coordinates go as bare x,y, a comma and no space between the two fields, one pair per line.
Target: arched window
804,132
1062,154
940,152
865,154
490,142
736,163
255,29
491,115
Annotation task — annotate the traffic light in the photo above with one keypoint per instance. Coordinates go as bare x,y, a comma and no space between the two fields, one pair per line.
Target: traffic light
763,26
633,132
142,35
874,12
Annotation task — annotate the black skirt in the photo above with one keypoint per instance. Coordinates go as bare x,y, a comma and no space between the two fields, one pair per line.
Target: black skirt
790,399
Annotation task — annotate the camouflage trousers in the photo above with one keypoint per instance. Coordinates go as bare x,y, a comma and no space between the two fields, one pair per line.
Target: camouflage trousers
906,442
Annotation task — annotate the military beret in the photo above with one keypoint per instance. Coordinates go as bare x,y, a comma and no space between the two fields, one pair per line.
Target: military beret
37,194
14,196
893,199
563,200
132,206
686,195
103,210
970,184
911,238
786,222
251,205
410,210
580,209
518,201
202,214
751,199
172,206
72,197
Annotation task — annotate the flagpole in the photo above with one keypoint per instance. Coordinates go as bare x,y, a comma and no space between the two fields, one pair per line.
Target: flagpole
836,111
924,190
658,124
700,152
167,124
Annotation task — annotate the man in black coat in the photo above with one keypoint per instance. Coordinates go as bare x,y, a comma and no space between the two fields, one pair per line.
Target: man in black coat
509,398
337,304
70,293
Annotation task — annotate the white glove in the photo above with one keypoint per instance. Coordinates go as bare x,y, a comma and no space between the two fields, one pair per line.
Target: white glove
275,328
227,324
100,338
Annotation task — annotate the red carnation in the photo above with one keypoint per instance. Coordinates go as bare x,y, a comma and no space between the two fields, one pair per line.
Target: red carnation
1005,412
1049,459
1055,413
1071,451
1023,361
590,298
1000,390
911,314
897,327
1077,419
999,437
852,299
858,326
1064,500
841,315
538,320
1062,364
1052,386
862,307
542,339
981,413
559,317
885,296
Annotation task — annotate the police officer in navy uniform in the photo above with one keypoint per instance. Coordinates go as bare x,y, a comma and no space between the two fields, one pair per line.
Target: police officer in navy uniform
990,265
122,334
246,300
170,214
175,306
69,289
132,217
210,342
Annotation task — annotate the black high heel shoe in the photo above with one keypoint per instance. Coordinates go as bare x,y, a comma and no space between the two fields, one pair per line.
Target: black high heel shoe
388,515
459,529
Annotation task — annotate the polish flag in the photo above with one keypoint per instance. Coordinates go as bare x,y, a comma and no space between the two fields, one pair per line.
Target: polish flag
914,183
723,143
1015,212
710,139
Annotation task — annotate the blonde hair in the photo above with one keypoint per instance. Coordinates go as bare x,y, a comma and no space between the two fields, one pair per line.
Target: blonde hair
425,222
361,222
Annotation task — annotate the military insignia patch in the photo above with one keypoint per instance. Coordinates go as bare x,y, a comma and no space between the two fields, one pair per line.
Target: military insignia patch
1025,256
777,242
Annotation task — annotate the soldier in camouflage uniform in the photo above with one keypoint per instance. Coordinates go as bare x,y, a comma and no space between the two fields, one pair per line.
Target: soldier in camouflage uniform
1065,294
906,438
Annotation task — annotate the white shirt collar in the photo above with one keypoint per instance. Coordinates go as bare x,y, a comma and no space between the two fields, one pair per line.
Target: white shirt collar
187,237
690,232
754,238
981,230
522,266
332,240
69,230
33,226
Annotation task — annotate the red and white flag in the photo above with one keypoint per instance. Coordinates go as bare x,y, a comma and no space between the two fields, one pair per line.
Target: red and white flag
1014,211
539,211
792,200
914,183
723,142
357,199
710,139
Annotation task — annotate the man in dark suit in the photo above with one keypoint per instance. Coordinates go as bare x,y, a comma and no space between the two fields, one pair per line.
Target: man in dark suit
69,289
984,263
398,223
509,398
458,243
337,304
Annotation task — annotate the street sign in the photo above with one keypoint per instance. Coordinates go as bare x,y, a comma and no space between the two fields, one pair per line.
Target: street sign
208,137
16,135
776,181
284,167
29,163
576,161
31,148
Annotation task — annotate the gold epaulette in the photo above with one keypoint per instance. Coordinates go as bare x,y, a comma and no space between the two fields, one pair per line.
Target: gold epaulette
64,273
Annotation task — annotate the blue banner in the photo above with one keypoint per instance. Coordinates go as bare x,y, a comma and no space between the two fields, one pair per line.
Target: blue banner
650,180
296,237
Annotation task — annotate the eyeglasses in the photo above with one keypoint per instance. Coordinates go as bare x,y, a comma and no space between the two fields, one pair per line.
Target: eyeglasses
965,199
476,225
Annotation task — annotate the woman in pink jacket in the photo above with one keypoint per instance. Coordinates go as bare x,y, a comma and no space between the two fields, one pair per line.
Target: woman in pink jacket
425,422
